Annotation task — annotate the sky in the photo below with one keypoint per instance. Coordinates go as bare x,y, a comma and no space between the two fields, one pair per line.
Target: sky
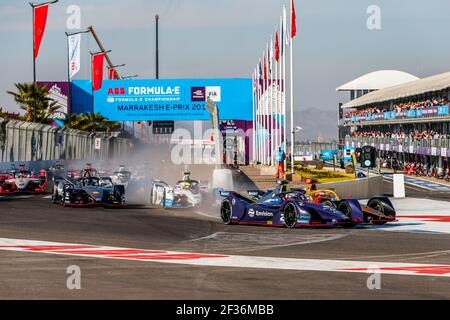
225,38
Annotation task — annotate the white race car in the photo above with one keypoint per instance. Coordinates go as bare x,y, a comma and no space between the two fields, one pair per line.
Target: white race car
186,193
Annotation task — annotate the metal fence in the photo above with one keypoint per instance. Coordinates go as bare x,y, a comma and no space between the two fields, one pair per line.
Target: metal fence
314,149
434,147
24,141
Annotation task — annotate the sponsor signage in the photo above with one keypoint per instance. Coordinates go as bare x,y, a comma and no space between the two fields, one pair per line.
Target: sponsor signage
174,100
58,91
98,144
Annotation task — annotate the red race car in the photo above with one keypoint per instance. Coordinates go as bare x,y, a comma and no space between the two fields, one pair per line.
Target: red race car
23,181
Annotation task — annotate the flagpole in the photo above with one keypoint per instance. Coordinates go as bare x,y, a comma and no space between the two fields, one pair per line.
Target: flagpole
275,107
259,111
271,125
284,86
263,113
292,93
267,132
254,116
280,93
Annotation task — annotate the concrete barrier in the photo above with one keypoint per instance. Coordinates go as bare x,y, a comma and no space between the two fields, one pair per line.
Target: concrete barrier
358,189
268,171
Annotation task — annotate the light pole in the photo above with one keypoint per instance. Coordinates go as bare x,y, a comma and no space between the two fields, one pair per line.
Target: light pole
296,131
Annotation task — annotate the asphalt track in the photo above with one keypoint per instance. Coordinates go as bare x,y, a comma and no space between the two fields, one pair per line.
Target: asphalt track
40,275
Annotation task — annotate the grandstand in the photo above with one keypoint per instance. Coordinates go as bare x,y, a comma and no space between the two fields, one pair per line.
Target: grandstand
369,83
409,122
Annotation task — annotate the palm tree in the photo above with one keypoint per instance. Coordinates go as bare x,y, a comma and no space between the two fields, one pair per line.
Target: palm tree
35,101
90,122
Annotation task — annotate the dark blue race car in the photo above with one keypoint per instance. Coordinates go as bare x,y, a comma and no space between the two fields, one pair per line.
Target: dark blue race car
280,208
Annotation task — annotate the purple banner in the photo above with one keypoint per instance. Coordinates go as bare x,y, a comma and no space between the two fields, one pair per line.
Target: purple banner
59,91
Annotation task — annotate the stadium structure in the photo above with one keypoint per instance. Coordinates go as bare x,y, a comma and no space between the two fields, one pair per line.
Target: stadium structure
409,122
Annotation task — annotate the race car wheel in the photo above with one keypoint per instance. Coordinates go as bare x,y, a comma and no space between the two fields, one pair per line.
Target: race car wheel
346,209
290,216
226,212
63,199
380,207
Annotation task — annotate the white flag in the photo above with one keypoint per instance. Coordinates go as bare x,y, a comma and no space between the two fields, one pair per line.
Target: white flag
74,54
286,30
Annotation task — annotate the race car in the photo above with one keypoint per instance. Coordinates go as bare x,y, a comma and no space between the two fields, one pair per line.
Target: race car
23,181
378,211
279,208
57,170
186,193
122,177
88,192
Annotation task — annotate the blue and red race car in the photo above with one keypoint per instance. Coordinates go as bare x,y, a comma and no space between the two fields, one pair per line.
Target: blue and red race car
279,208
291,209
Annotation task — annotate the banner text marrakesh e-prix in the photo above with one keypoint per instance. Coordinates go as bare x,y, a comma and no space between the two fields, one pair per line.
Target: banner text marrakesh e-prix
178,100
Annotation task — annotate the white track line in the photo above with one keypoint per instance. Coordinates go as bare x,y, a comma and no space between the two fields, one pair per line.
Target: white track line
210,260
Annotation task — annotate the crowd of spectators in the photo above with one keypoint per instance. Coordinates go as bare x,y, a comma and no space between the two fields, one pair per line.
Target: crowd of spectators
415,135
407,106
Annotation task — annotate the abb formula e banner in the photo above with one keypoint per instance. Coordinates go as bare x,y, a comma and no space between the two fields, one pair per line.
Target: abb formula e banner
173,100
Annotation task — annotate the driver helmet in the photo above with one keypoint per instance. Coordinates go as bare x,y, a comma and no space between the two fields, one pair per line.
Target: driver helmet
187,176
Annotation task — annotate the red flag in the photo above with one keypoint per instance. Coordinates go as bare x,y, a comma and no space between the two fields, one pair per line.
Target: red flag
112,74
293,21
40,22
97,71
277,47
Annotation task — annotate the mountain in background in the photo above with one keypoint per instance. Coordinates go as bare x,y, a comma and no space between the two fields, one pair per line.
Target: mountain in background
316,122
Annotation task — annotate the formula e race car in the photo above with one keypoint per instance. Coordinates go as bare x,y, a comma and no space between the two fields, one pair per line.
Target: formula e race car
88,192
122,177
378,211
185,194
23,181
280,208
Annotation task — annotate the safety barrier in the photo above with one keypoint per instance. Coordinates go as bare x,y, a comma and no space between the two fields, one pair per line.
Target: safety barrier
434,147
29,142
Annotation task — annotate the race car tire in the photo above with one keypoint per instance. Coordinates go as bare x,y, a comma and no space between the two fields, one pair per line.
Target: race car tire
63,199
380,206
290,216
346,209
226,212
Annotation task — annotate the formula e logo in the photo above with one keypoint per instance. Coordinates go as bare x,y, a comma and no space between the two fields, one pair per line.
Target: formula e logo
251,213
200,94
